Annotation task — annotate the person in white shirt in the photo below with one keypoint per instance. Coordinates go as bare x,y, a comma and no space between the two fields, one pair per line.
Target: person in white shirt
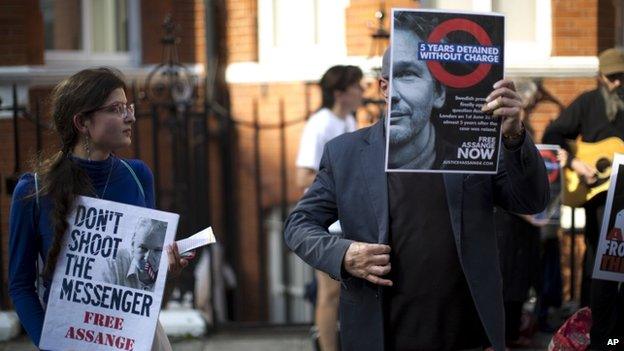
342,90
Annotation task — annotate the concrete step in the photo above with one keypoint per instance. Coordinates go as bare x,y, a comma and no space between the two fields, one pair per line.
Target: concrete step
182,322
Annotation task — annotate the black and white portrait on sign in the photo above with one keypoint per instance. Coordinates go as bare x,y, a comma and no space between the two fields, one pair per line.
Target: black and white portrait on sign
137,266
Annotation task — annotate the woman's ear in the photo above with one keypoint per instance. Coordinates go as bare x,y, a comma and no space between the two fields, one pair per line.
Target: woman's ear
80,123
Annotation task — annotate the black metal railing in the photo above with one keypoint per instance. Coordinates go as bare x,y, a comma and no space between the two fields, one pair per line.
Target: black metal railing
198,138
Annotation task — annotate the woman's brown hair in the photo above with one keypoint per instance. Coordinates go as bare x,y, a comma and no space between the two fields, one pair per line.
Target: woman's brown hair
61,179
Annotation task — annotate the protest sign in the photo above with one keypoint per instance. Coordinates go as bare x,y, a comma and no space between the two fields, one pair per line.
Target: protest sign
109,278
443,66
552,213
609,262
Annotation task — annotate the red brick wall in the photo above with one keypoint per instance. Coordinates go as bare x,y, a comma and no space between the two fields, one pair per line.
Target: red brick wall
21,33
579,28
189,17
606,24
566,90
570,37
298,100
16,28
582,27
361,22
242,30
27,150
247,99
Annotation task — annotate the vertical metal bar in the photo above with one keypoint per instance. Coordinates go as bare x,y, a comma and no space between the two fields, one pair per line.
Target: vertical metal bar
260,212
204,179
16,150
174,126
572,255
284,211
185,199
38,144
211,36
3,284
155,152
201,157
200,170
307,102
227,144
135,129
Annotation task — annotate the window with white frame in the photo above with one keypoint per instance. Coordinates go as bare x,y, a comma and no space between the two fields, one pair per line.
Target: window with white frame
91,31
301,30
528,24
521,17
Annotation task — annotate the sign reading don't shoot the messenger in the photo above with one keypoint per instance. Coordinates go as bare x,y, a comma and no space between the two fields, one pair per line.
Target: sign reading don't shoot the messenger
443,66
108,283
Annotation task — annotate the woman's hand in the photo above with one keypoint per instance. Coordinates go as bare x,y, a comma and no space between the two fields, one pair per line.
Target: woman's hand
177,262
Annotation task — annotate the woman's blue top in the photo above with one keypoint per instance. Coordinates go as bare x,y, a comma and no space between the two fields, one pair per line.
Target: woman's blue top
31,231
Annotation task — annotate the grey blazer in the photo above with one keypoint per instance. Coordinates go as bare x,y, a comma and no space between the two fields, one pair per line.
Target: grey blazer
351,186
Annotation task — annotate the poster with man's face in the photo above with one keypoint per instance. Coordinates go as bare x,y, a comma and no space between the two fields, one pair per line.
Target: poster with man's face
443,66
609,262
108,283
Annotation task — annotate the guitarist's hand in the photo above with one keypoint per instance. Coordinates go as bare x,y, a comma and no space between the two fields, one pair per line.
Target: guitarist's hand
586,171
562,157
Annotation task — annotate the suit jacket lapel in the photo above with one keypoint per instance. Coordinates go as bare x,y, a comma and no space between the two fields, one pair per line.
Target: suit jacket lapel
373,155
454,193
372,162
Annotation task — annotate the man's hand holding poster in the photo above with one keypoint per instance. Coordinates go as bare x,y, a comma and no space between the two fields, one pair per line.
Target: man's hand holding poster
609,263
443,66
109,279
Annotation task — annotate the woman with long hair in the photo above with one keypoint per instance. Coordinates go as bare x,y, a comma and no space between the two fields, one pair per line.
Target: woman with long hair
93,119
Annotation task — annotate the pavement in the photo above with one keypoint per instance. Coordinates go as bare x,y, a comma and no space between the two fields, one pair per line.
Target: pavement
256,339
263,340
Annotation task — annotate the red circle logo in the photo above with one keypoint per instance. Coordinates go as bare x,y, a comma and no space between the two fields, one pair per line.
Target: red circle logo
453,80
552,165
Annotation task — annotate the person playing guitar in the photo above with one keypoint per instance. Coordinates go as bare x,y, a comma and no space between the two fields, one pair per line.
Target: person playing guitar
596,116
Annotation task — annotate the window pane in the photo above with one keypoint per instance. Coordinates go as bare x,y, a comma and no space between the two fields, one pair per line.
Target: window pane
62,23
519,17
294,23
448,4
109,25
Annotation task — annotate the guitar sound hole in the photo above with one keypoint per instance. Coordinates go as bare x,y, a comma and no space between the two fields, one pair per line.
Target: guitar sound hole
603,164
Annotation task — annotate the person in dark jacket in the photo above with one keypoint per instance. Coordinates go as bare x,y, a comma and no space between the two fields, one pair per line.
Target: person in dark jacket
594,116
417,259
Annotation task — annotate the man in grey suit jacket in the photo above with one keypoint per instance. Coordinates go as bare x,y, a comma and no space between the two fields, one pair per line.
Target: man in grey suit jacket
399,220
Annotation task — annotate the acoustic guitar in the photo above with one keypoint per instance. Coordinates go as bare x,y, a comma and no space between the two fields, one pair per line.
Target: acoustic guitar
600,155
